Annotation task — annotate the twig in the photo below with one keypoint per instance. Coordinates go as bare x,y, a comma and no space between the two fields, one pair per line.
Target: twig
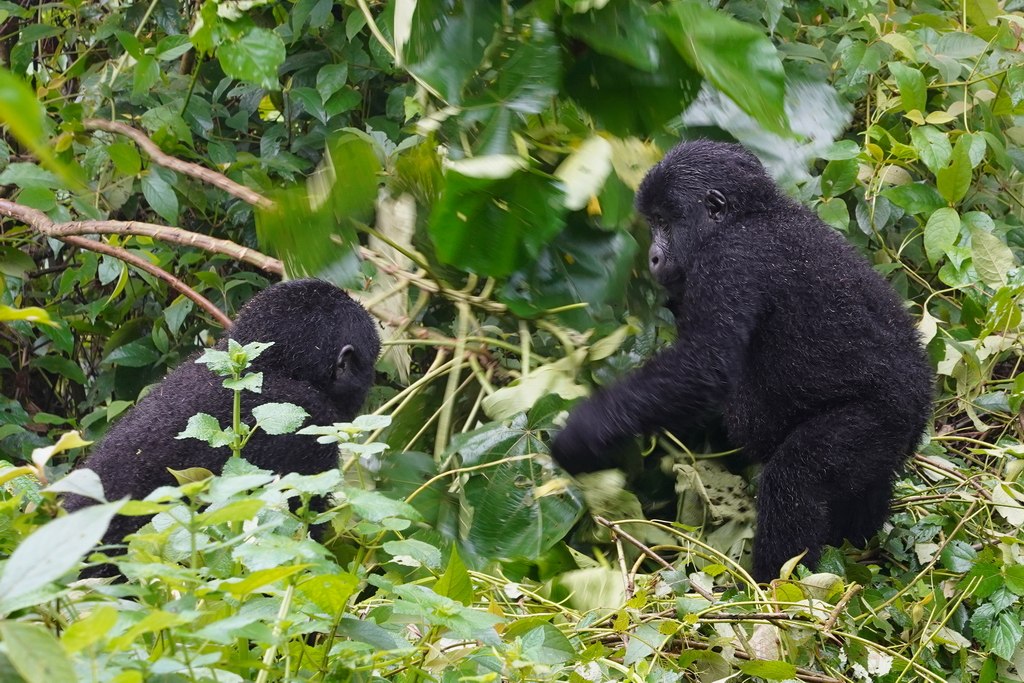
40,222
143,264
161,158
801,673
618,530
840,606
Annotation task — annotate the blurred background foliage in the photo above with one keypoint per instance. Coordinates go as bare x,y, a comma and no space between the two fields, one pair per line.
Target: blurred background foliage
467,169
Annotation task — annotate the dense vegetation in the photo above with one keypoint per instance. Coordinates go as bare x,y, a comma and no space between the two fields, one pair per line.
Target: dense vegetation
467,169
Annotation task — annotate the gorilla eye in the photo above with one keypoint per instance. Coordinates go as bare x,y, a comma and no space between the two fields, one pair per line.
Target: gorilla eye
342,363
716,205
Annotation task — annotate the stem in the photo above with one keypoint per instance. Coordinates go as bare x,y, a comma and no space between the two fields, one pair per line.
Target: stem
282,612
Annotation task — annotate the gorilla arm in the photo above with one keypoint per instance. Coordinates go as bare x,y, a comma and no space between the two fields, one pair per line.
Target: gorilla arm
686,381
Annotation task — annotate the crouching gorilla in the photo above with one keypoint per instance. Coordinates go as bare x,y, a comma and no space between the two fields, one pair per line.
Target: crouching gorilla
785,332
323,355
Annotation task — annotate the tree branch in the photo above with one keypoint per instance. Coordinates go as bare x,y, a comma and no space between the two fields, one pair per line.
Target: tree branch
41,223
161,158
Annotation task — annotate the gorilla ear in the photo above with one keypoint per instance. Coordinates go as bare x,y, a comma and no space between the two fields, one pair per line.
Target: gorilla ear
716,205
343,356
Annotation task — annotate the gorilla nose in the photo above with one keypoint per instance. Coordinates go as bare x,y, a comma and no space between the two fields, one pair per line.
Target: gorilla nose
655,259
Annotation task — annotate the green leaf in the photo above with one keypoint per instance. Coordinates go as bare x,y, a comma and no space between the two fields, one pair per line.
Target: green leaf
252,382
36,654
991,257
621,30
1015,579
125,157
200,426
145,75
495,226
940,233
455,582
770,670
548,646
932,146
958,556
912,85
421,554
330,592
447,42
838,177
237,511
160,195
137,354
330,79
24,116
834,213
90,629
735,57
915,198
581,264
279,418
254,57
53,550
954,181
1006,635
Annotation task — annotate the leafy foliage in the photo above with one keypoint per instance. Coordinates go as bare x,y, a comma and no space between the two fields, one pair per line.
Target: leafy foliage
468,168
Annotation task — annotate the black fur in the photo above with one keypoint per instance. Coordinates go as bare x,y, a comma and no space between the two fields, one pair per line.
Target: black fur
785,331
310,323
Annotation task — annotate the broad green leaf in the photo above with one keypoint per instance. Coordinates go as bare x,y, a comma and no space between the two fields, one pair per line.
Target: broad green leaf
735,57
958,556
279,418
580,265
447,42
251,382
200,426
838,177
145,75
992,258
1006,635
254,58
455,582
621,30
1015,578
915,198
628,101
940,233
160,195
769,670
125,157
53,550
31,314
154,622
834,213
954,181
237,511
548,646
330,592
36,654
493,227
418,552
24,116
260,579
90,629
330,79
912,86
932,147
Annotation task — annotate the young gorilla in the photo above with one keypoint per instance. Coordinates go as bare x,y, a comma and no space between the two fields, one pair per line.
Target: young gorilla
325,347
785,331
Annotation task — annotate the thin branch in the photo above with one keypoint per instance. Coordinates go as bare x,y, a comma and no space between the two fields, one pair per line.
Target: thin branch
143,264
161,158
41,223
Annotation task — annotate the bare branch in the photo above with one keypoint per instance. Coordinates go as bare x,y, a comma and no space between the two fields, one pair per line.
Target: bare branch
161,158
41,223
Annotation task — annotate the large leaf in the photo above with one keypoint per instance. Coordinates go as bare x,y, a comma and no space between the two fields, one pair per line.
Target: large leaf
630,101
940,233
53,550
735,57
581,265
36,654
494,226
254,58
447,41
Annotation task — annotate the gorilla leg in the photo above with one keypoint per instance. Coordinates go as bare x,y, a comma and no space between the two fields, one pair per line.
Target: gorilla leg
858,518
845,457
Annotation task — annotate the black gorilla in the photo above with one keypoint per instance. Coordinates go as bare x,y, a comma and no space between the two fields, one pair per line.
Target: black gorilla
788,334
323,356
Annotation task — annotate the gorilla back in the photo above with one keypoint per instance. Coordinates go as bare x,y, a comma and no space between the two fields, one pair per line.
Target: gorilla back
785,331
325,347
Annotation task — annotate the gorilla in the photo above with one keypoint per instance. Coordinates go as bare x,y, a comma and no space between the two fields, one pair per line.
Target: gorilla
323,355
785,333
